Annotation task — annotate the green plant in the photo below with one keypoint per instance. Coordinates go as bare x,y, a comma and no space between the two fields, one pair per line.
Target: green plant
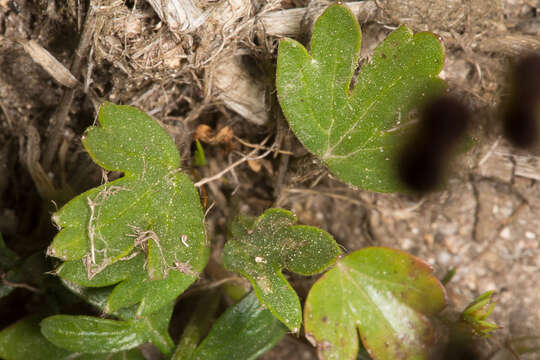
130,247
477,312
385,293
261,248
356,132
143,231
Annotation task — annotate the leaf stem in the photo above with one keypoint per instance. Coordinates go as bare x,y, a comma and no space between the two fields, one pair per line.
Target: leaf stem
198,326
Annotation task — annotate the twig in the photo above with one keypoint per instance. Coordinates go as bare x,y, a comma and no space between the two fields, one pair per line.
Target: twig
489,153
18,285
7,114
235,164
283,166
288,22
59,118
260,147
210,286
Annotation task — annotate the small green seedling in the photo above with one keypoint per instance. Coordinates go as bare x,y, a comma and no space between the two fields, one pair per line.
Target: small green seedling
259,249
198,157
356,132
477,312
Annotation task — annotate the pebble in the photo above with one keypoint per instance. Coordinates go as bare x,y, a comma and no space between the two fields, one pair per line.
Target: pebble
444,257
407,244
505,233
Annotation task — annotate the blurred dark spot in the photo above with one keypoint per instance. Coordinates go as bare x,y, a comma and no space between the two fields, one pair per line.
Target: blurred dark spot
443,123
324,319
522,114
521,126
129,4
419,168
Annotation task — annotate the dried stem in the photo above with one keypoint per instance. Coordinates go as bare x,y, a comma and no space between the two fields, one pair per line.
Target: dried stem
6,282
235,164
60,116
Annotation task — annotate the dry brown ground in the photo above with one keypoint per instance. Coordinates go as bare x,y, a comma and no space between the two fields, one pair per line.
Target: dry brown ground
486,223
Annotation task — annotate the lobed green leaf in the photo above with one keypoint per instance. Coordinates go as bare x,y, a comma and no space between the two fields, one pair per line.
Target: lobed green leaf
144,230
261,249
356,133
386,294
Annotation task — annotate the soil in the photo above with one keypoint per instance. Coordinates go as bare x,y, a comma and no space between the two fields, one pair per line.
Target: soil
485,223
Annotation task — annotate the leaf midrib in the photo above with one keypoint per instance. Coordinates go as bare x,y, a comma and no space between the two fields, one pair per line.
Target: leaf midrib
376,100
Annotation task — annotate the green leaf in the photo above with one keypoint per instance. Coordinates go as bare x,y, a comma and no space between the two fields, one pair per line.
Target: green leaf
156,328
92,335
133,354
144,230
245,331
356,133
98,297
477,312
87,334
387,294
199,158
260,249
136,287
23,340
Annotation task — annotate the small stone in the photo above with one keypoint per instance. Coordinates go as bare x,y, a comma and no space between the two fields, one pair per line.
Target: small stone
444,257
470,281
407,244
505,233
453,244
507,211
